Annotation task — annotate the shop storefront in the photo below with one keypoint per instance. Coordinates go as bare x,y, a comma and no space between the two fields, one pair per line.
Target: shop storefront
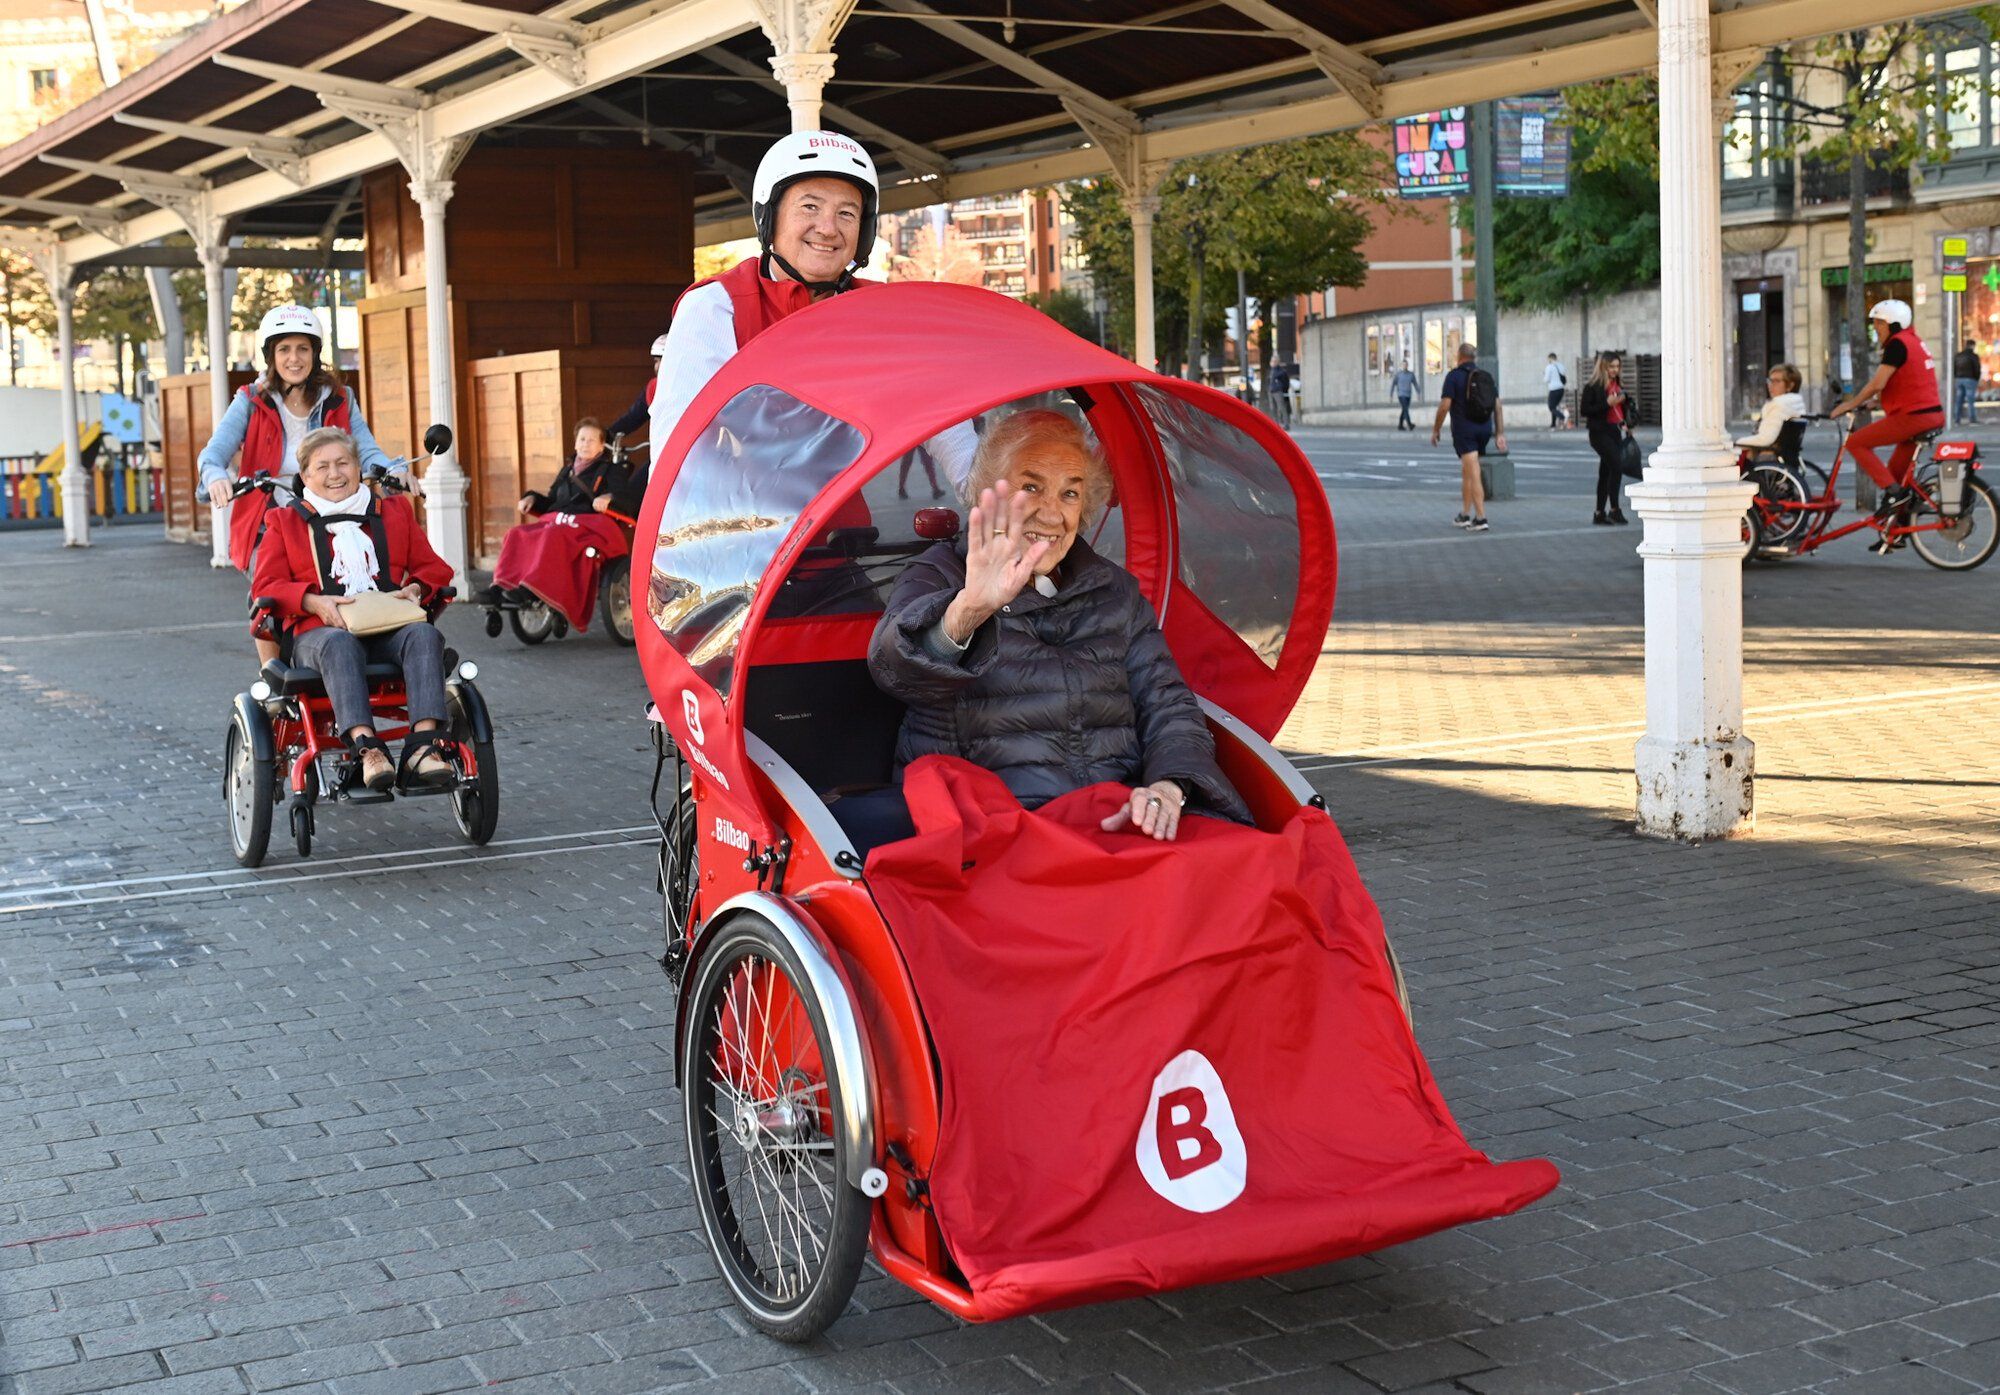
1885,281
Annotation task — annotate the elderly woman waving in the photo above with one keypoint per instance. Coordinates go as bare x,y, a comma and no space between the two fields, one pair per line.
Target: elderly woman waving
1021,650
332,546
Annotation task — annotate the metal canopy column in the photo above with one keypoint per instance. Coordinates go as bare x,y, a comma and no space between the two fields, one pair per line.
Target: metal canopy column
1144,208
444,481
1695,766
75,481
802,33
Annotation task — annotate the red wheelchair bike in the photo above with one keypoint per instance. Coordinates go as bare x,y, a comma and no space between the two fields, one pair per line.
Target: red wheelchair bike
1953,521
607,589
283,748
965,1052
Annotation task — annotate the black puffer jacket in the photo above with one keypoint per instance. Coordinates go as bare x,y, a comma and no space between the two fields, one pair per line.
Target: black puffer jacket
1053,693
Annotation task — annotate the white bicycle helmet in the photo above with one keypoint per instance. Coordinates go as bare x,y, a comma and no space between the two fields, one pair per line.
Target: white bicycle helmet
1895,313
660,347
804,155
281,320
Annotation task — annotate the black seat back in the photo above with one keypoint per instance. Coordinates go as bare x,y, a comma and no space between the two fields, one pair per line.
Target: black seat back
827,719
1791,441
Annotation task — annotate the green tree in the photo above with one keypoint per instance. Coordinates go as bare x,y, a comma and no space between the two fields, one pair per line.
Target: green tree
1603,238
114,305
1069,310
1870,99
1291,216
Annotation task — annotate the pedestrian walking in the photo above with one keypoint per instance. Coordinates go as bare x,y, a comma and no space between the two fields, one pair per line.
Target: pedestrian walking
1404,385
1281,394
1608,411
1471,401
1557,382
1965,373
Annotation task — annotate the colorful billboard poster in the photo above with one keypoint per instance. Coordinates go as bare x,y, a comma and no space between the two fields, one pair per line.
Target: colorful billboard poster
1434,154
1530,147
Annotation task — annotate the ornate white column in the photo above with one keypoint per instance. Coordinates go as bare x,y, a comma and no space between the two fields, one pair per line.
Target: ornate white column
1695,766
805,76
1144,208
212,255
444,481
802,34
76,499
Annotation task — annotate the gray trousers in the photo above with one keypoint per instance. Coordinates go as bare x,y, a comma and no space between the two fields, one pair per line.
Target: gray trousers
339,657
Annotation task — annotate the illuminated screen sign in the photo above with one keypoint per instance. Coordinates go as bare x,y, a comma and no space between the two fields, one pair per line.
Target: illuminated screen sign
1434,154
1530,147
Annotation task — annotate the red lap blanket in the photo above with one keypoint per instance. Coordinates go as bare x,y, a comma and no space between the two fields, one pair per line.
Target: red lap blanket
546,555
1163,1063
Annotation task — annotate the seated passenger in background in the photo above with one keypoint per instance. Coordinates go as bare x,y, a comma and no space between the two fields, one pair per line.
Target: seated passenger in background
1785,404
336,542
590,483
1017,648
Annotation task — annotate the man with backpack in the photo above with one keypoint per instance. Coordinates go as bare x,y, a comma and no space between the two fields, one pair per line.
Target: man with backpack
1471,399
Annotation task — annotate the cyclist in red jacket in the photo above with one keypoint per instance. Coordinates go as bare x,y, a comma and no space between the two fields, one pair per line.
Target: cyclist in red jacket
1911,407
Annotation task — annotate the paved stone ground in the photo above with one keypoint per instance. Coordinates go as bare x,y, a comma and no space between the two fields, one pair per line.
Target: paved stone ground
348,1126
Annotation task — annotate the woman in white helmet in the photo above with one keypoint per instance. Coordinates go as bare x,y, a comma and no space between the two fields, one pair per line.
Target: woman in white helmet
295,394
1908,386
814,203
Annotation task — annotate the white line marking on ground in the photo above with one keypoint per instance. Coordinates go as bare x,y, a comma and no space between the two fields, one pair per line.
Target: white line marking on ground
261,884
1555,736
243,625
249,874
1457,533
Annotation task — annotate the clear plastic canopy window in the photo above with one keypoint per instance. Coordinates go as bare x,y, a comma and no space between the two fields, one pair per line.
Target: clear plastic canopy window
739,491
1239,528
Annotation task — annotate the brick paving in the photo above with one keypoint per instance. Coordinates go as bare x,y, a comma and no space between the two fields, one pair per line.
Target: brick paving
344,1126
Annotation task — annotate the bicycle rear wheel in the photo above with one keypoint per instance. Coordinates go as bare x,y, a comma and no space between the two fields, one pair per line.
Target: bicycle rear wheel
1966,541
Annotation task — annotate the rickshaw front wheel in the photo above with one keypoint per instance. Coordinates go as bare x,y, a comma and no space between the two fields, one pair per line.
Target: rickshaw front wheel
761,1101
614,599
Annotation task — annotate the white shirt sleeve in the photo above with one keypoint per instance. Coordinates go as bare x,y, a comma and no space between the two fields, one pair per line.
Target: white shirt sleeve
701,339
953,448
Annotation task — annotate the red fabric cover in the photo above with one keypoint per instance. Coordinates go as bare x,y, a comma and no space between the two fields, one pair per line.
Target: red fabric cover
546,555
263,453
1062,968
287,570
1913,387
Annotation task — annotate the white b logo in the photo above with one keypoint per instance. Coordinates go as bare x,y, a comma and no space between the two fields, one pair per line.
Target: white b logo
1190,1151
691,713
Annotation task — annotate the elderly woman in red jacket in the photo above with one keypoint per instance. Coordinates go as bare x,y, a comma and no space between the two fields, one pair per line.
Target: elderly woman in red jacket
335,543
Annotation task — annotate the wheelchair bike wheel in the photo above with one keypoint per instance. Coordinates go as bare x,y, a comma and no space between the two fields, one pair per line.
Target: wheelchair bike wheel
1965,542
533,622
1774,535
614,599
762,1105
249,786
475,801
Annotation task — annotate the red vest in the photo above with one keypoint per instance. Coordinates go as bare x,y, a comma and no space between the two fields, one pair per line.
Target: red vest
264,454
1912,388
757,301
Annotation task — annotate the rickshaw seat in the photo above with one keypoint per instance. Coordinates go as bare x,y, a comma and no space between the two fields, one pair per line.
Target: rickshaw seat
827,719
293,680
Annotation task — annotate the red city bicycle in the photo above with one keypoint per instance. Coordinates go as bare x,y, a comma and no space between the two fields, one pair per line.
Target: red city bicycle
1953,522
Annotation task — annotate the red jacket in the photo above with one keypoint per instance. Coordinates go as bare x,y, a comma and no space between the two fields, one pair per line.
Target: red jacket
263,453
292,562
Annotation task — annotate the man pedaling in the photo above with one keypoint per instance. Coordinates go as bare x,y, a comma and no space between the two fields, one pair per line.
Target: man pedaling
1907,384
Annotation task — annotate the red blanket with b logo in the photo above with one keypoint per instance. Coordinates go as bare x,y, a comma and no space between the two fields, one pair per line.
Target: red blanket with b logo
1163,1063
550,556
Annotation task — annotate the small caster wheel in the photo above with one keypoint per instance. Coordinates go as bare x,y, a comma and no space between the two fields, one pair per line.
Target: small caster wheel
302,827
493,624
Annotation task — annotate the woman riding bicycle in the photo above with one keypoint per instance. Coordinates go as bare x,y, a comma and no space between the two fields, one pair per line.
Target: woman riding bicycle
296,393
1907,384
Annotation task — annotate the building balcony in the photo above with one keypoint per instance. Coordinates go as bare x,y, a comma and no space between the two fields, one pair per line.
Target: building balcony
1824,183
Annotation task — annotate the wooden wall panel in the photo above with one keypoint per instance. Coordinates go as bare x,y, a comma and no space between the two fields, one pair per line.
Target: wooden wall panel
186,423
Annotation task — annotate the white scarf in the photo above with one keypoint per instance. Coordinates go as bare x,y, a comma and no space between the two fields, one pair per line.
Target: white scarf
354,562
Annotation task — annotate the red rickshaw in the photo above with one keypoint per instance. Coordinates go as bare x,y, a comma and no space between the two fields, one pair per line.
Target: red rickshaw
961,1052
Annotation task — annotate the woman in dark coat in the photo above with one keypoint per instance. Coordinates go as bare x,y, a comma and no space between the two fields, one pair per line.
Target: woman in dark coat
1609,411
543,560
1019,649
